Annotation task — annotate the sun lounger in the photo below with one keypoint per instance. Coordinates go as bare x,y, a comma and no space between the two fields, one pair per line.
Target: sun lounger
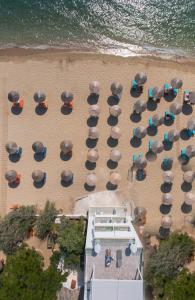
150,93
186,96
150,144
150,121
134,85
166,137
167,88
175,91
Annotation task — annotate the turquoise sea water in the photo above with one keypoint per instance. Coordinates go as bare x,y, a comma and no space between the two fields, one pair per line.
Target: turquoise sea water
126,27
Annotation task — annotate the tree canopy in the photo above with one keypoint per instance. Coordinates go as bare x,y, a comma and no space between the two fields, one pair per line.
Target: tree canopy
24,278
14,228
45,220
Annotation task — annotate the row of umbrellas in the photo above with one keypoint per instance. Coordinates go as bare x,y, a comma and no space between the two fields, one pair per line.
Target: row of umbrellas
66,176
189,198
94,110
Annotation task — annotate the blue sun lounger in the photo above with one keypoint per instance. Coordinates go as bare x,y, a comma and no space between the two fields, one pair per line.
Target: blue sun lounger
150,122
166,137
150,93
186,96
191,133
135,156
175,91
134,85
167,88
150,144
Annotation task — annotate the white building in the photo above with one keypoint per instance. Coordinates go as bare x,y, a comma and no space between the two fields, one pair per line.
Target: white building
113,256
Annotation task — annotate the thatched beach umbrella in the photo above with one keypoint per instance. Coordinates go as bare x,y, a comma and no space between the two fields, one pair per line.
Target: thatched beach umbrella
167,199
166,222
115,110
116,89
13,96
115,132
115,155
189,198
157,92
92,155
38,147
66,146
11,147
157,147
91,179
168,176
94,87
157,119
66,176
11,176
140,162
140,132
93,133
176,83
115,178
94,110
175,108
192,97
191,123
173,135
139,106
67,97
39,97
189,176
38,175
140,78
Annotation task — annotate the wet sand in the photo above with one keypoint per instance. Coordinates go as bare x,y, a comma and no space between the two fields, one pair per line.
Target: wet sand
54,72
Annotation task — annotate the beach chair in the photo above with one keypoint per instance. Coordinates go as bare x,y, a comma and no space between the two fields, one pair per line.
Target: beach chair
150,122
134,157
166,137
167,88
175,91
134,85
19,104
190,132
169,116
150,144
150,93
186,96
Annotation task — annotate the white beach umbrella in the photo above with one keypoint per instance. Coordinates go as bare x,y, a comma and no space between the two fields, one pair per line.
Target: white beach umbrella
13,96
94,110
92,155
93,133
38,147
11,147
140,162
166,222
139,106
191,123
157,92
91,179
168,176
140,78
176,83
189,176
173,135
189,198
94,87
115,155
140,132
167,199
115,132
39,97
157,147
158,119
192,97
115,110
116,89
115,178
175,108
67,97
190,150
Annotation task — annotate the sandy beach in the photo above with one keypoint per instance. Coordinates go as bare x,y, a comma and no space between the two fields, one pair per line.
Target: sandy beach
56,71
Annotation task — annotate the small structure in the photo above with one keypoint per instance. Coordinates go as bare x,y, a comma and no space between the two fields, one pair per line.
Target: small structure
113,256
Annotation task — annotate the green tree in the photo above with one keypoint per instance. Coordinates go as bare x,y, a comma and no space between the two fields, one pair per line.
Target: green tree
24,278
14,228
166,262
44,222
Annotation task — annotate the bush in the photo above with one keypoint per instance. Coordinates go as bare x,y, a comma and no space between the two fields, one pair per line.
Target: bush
14,228
167,261
24,278
44,222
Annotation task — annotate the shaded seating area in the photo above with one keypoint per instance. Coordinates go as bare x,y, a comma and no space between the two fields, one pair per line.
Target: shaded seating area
13,178
42,105
66,178
39,178
17,102
39,150
67,99
14,151
66,148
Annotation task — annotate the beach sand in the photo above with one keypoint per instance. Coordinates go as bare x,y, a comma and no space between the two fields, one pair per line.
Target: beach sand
56,71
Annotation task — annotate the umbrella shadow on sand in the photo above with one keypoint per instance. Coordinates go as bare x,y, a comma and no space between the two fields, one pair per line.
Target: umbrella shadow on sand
184,134
40,184
14,184
112,142
135,142
186,186
66,110
16,110
113,100
151,156
167,145
166,187
135,93
40,110
187,109
135,118
165,209
91,143
39,156
92,99
66,183
164,232
151,105
185,208
112,164
112,121
90,165
14,157
169,97
110,186
92,121
152,130
65,157
89,188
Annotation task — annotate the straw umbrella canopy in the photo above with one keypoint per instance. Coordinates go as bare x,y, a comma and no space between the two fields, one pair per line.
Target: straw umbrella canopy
93,133
166,222
191,124
157,119
176,83
94,87
115,155
139,106
39,97
11,147
11,175
66,176
140,78
157,147
115,178
115,132
66,146
67,97
140,162
190,150
173,135
91,179
167,199
13,96
92,155
175,108
115,110
38,175
189,176
116,89
192,97
38,147
157,92
140,132
94,110
168,176
189,198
